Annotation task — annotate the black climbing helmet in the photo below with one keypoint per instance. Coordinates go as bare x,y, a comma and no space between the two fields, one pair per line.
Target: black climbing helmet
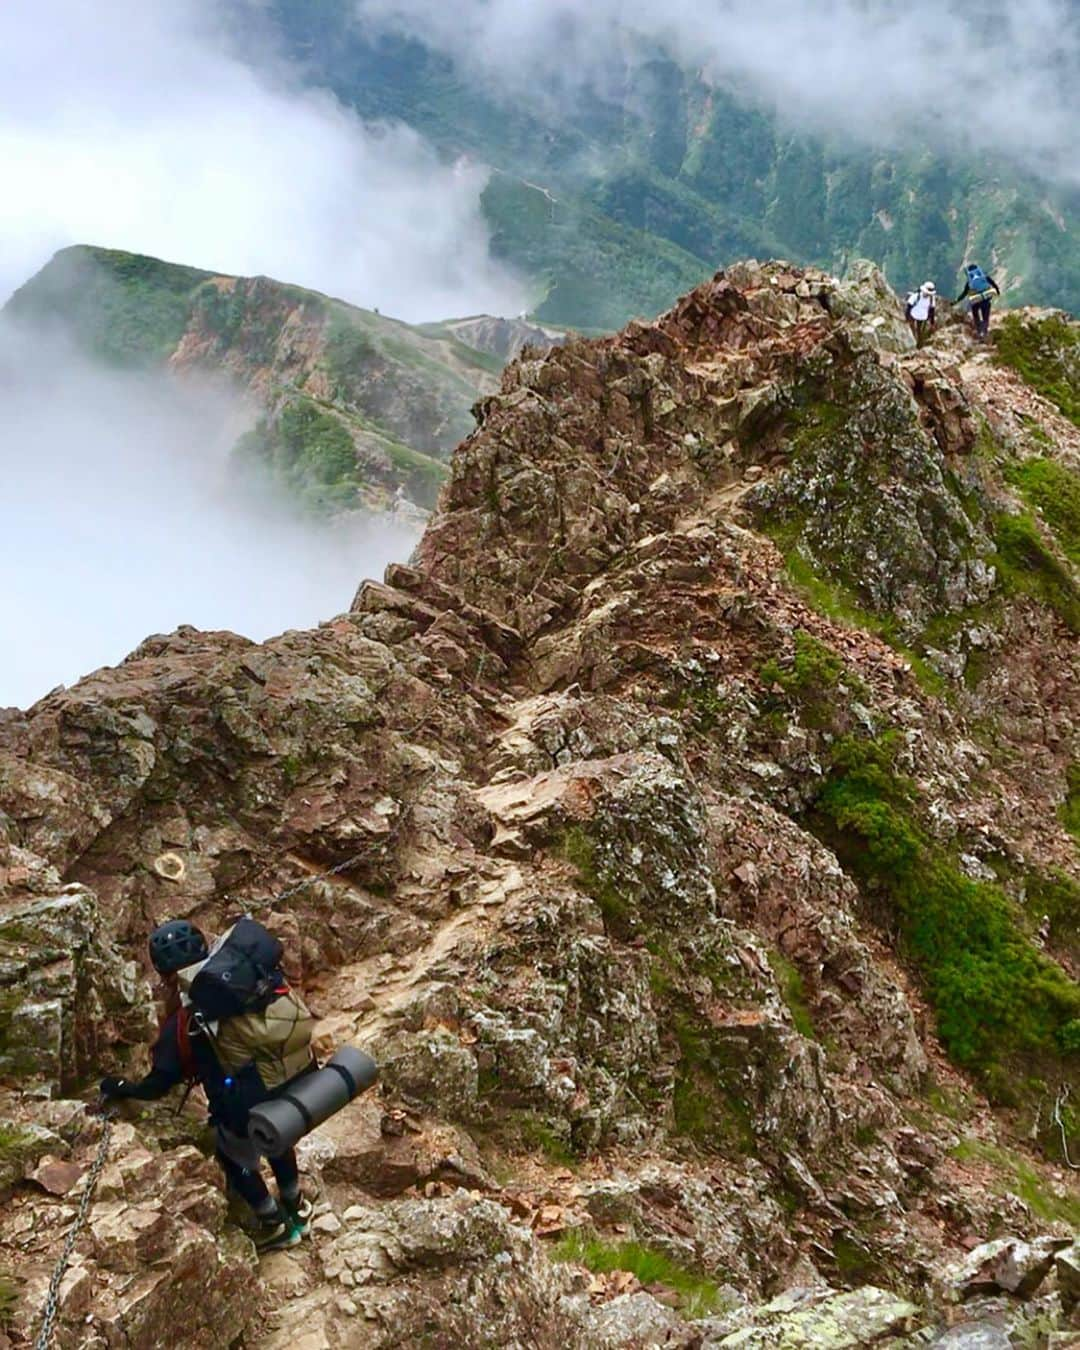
176,944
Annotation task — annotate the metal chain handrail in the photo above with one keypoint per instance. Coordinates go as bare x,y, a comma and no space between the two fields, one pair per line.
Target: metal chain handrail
1062,1098
52,1298
296,886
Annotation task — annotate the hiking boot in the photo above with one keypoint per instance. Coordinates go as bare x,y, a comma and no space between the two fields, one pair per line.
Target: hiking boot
299,1213
275,1232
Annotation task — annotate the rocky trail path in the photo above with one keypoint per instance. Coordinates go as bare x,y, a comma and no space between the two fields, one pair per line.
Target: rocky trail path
636,998
372,997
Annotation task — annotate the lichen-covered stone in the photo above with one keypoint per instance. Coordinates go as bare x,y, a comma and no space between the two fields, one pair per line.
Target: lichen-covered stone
64,988
1067,1266
974,1336
1015,1266
817,1321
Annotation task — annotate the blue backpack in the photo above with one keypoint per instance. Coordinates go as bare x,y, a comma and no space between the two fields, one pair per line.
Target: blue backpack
978,281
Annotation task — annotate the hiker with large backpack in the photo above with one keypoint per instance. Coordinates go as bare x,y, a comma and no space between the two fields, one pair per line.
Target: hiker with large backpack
234,1026
977,288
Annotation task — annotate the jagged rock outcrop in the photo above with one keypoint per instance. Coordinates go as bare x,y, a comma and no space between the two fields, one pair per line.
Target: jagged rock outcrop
66,993
651,864
503,338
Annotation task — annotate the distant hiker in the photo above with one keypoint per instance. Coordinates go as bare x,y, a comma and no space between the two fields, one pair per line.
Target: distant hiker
263,1034
921,311
977,288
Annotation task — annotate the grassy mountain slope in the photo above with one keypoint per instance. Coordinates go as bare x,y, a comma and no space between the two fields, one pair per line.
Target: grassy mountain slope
667,180
349,404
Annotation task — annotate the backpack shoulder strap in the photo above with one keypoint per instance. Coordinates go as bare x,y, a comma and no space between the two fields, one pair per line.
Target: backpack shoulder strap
183,1040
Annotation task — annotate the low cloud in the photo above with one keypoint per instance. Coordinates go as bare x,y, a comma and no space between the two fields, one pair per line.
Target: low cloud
121,518
955,75
136,125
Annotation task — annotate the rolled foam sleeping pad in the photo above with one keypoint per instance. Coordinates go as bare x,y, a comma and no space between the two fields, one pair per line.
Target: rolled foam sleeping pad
276,1125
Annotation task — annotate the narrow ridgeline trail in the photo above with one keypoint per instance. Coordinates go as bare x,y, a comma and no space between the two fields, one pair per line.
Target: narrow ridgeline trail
710,777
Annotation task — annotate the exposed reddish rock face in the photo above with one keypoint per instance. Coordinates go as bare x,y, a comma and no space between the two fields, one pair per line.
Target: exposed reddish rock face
615,972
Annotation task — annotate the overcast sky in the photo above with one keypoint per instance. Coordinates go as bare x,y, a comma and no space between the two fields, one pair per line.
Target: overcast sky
131,124
999,76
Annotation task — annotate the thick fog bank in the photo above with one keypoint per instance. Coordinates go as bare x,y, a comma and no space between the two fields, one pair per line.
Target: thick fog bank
120,517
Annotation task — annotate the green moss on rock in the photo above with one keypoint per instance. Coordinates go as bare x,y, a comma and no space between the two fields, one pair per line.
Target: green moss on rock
810,678
20,1148
1012,1172
1070,810
9,1298
708,1102
1028,566
866,504
698,1295
793,992
1045,353
814,670
1054,491
837,602
580,849
999,1002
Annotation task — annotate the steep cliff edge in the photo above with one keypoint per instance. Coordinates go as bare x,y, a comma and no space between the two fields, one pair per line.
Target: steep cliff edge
706,787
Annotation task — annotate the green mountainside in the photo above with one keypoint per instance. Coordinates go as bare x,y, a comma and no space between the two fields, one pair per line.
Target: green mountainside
349,405
616,210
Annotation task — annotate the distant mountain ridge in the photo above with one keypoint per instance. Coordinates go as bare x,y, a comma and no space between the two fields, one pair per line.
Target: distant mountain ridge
616,209
351,405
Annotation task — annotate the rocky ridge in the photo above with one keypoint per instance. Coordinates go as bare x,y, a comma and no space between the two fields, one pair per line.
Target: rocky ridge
503,338
735,661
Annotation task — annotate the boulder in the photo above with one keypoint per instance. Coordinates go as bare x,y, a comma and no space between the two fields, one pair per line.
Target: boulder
635,1322
22,1145
1067,1266
432,1069
1009,1264
822,1319
974,1336
456,1272
64,988
866,298
362,1147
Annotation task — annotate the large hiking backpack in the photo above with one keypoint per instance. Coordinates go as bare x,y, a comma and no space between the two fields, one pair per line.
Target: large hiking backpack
239,996
978,281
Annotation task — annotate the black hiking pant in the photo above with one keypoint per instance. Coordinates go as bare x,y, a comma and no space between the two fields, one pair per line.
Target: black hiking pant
240,1162
980,317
